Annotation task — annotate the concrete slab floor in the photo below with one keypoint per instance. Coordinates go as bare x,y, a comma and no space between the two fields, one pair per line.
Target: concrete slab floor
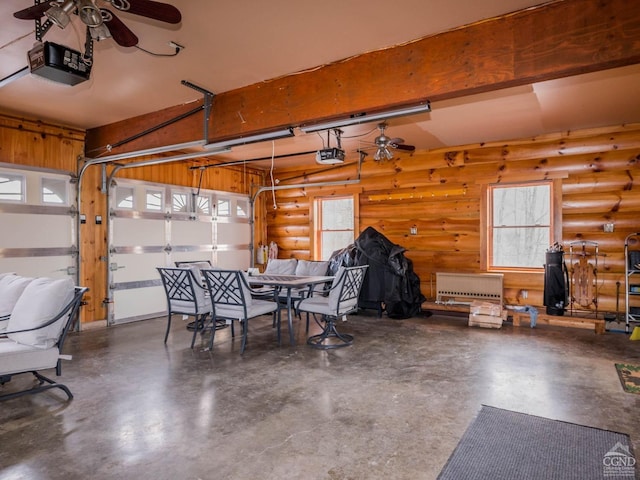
392,406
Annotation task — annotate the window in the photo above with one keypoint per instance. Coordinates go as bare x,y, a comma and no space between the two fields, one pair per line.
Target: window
180,202
12,187
154,200
242,208
520,225
124,198
224,207
54,190
204,205
334,225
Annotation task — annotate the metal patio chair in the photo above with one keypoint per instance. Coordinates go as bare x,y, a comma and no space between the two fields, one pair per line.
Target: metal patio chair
341,300
231,299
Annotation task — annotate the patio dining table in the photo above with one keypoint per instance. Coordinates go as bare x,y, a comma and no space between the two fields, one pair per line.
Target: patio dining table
288,283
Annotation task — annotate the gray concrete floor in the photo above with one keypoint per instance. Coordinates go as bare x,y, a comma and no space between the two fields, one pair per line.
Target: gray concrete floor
392,406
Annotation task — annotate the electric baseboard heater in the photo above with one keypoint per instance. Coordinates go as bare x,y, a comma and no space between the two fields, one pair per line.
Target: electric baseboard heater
463,288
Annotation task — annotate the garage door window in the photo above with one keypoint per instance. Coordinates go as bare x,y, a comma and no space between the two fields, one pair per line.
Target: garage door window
12,188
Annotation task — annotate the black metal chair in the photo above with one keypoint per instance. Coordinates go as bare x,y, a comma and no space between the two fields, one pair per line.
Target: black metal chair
231,299
185,296
18,358
341,300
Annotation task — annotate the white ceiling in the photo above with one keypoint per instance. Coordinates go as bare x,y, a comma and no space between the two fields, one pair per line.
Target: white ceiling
233,44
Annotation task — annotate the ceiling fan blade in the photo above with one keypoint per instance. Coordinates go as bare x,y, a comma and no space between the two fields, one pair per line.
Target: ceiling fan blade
150,9
402,146
119,31
33,13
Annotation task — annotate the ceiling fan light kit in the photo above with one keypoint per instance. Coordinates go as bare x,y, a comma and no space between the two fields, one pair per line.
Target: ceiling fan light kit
64,65
60,14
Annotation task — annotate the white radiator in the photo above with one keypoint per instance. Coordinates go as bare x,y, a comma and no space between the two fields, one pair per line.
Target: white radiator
466,287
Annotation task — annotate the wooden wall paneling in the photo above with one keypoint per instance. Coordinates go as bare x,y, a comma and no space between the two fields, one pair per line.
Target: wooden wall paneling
598,170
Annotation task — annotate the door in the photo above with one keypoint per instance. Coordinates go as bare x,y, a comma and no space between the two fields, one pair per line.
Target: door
155,225
38,223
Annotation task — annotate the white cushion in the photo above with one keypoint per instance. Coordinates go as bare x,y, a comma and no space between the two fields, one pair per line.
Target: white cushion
41,301
16,358
280,266
312,268
258,307
11,287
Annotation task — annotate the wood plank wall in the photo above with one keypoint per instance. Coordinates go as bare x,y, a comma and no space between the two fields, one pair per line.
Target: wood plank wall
439,192
36,144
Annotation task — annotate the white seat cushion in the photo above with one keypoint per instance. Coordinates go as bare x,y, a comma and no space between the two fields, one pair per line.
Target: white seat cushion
257,307
312,268
16,358
321,305
188,308
11,287
40,302
280,266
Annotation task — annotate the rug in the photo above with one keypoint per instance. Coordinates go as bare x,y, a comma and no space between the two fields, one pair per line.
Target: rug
629,377
504,445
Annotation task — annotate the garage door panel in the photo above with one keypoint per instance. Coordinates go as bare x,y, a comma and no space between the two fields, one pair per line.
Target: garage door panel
132,267
139,303
191,233
46,266
138,231
35,230
233,233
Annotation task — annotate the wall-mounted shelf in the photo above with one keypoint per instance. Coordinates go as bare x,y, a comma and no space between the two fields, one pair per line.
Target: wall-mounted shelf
632,279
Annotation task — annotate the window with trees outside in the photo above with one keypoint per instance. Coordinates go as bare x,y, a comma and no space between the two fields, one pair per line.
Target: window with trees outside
334,225
520,221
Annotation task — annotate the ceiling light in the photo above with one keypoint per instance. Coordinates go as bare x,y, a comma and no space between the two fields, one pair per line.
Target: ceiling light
101,32
365,117
383,153
89,13
259,137
59,14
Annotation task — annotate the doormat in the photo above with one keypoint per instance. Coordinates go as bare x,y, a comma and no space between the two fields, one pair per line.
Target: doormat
629,377
504,445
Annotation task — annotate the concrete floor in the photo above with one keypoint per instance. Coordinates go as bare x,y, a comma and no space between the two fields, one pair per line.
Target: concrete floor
392,406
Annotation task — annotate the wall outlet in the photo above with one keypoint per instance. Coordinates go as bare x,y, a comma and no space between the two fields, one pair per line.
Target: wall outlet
524,293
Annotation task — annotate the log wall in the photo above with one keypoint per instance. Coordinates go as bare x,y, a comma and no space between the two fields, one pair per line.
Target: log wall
440,192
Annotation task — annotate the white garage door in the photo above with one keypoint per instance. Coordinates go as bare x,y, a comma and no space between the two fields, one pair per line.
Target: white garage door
37,223
153,225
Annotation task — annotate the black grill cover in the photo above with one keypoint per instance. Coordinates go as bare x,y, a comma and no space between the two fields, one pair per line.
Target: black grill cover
390,279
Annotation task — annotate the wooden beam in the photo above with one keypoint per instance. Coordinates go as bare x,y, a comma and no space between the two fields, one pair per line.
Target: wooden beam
555,40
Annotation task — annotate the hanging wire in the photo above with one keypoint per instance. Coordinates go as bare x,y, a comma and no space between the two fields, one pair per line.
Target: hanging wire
273,183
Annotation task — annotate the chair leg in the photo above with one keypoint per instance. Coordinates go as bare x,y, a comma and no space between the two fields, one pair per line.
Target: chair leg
40,388
245,332
213,332
322,340
166,334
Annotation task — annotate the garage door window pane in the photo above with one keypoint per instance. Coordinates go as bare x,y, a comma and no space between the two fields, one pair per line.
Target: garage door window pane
55,190
12,187
124,198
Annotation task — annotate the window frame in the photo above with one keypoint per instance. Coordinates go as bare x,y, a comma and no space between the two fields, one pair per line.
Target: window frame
23,188
486,227
317,220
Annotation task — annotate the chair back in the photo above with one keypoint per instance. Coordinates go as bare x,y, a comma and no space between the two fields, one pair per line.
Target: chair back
183,290
281,266
227,287
343,296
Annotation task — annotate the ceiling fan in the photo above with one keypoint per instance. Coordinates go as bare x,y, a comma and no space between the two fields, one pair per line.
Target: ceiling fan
64,65
101,22
384,143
